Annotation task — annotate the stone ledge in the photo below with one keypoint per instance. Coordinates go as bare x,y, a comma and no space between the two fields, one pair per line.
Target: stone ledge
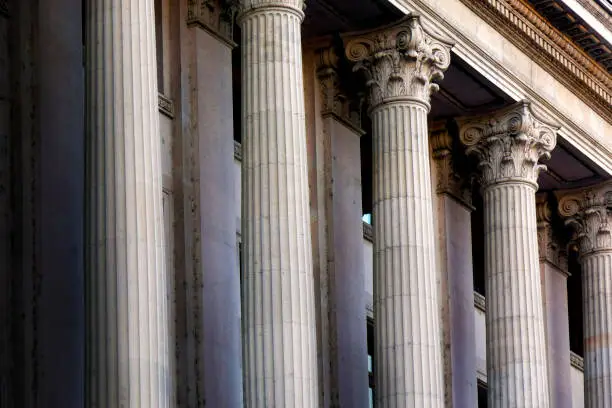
368,232
165,105
237,151
480,302
576,361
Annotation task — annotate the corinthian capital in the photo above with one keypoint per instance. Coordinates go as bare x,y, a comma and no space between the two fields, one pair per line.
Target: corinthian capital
587,212
336,100
450,179
400,61
509,144
551,245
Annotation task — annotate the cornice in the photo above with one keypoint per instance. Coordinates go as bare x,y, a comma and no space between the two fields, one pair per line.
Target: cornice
543,43
596,11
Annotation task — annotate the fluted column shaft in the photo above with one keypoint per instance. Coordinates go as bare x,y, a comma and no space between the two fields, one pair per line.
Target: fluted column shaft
279,342
597,312
127,322
408,370
509,145
516,348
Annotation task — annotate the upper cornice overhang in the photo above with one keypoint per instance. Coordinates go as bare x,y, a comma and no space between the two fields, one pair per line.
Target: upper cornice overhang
570,17
551,49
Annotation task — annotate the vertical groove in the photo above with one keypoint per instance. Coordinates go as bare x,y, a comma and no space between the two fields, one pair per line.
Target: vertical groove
516,353
408,352
279,328
597,301
127,350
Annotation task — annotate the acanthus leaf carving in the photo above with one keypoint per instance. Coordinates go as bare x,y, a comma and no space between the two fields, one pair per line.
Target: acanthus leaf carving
509,143
588,212
399,61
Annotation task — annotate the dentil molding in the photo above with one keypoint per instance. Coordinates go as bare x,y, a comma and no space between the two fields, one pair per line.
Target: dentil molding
509,143
400,61
587,212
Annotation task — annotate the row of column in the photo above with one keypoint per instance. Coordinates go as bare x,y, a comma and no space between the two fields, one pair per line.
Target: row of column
128,338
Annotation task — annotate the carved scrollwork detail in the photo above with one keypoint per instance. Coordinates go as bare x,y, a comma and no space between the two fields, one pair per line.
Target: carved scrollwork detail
551,243
509,144
588,213
400,60
450,179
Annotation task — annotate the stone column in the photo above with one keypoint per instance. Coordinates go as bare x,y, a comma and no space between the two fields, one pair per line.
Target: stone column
400,62
279,334
208,287
588,213
509,145
456,272
126,287
553,274
341,280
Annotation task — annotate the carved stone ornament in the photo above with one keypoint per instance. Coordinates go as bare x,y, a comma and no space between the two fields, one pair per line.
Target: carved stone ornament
334,98
551,247
400,61
587,212
449,179
215,16
509,144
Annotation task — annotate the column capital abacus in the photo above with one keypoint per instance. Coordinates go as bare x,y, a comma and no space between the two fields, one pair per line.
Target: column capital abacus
449,179
401,61
509,144
335,98
551,247
249,6
587,212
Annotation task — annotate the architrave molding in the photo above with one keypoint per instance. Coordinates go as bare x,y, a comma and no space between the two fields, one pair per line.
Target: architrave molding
546,45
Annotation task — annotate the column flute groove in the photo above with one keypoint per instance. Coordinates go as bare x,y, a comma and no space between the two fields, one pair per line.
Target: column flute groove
127,331
279,328
509,145
400,63
588,213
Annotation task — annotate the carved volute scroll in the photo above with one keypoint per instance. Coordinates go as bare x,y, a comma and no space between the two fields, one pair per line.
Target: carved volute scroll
400,61
551,245
509,144
587,212
450,180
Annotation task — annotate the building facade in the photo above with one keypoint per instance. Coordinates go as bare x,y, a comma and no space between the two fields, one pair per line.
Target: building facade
266,203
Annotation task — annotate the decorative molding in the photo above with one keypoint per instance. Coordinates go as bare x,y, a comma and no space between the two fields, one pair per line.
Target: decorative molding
480,302
368,231
215,16
237,151
576,361
550,245
450,179
587,212
165,105
335,98
548,47
400,61
596,11
508,143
